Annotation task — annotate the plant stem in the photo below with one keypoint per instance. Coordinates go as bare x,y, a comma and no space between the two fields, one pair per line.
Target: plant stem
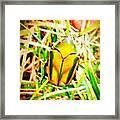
30,32
60,91
37,91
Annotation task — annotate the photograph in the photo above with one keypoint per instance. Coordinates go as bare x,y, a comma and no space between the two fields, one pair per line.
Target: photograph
59,59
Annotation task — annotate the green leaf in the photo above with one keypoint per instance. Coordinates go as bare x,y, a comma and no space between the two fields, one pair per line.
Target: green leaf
42,70
93,82
89,90
45,55
54,39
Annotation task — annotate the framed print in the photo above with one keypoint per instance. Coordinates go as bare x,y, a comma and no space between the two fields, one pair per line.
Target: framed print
60,59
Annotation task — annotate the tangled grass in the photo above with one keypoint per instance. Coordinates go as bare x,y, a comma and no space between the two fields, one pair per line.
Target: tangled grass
36,40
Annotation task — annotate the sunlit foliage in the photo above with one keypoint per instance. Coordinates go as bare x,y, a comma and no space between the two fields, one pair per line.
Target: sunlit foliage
38,38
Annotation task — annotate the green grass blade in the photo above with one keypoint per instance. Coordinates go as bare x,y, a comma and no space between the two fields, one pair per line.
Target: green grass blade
93,82
67,27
